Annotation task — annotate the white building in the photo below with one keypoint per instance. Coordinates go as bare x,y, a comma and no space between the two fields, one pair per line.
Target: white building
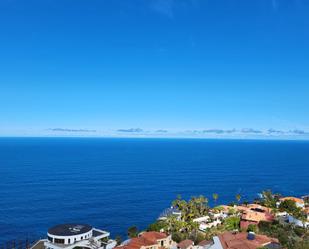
298,222
298,201
69,236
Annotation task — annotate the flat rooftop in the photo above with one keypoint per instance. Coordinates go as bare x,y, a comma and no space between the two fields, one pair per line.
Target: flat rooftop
69,229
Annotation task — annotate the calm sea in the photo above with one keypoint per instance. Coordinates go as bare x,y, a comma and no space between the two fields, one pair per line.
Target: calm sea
116,183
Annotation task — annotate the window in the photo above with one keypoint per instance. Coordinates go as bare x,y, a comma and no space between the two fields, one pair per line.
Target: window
81,237
59,241
162,242
69,241
50,239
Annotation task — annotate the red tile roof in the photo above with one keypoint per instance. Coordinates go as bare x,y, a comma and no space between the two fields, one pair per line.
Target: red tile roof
298,200
153,236
250,215
240,241
185,244
144,239
205,243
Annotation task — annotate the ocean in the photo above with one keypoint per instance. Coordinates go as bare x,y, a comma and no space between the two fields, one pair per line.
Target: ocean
113,184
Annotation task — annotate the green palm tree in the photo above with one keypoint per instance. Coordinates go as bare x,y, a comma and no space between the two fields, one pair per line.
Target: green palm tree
215,196
238,197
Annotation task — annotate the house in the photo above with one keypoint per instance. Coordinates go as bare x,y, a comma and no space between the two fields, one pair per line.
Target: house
299,202
253,217
204,244
69,236
253,214
229,240
297,222
149,240
185,244
217,216
172,211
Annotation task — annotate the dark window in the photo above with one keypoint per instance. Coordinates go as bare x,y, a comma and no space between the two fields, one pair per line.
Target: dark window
59,241
69,241
81,237
162,243
50,239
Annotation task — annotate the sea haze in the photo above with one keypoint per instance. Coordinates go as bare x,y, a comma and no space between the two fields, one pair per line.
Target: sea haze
116,183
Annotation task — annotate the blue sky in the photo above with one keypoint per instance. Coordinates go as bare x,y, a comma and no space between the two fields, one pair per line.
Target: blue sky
201,68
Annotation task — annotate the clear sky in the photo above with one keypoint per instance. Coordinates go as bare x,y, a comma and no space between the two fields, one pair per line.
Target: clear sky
209,68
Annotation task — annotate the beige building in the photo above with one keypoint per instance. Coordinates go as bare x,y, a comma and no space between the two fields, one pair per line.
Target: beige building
149,240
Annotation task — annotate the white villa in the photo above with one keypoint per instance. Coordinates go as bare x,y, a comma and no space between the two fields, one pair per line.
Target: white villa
206,222
69,236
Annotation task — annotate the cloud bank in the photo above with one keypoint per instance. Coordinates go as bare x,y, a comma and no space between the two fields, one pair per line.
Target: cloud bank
131,130
70,130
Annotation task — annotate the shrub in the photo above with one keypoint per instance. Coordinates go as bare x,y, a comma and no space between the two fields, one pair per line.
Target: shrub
252,228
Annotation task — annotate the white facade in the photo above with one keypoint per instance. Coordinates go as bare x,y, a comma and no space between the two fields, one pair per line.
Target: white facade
297,222
90,238
216,243
69,239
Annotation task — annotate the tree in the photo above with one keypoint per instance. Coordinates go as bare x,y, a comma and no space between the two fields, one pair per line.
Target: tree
232,223
132,232
269,199
157,226
252,228
288,206
215,196
195,207
118,239
198,238
301,215
177,237
238,197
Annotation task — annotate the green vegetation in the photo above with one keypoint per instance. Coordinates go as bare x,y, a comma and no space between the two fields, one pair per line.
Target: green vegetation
132,232
238,197
252,228
269,199
181,228
157,226
194,208
118,239
105,239
215,196
184,227
288,206
232,223
289,236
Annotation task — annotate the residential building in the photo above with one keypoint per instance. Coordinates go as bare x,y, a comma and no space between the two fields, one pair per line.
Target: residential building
299,202
69,236
185,244
229,240
149,240
170,212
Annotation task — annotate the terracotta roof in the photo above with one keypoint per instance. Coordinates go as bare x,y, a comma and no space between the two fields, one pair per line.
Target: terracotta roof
250,215
205,243
185,244
260,207
153,236
298,200
240,241
144,239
